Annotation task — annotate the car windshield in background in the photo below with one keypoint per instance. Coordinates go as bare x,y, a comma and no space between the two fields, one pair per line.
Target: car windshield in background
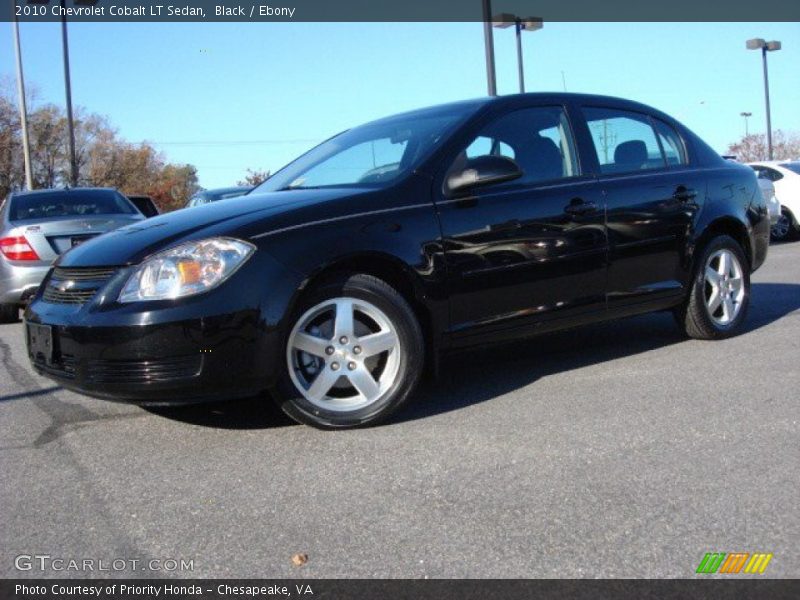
792,166
370,156
78,203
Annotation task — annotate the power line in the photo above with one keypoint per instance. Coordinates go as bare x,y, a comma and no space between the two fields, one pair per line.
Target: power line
233,142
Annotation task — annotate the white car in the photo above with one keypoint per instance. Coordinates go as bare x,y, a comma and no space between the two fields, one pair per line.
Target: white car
773,206
785,176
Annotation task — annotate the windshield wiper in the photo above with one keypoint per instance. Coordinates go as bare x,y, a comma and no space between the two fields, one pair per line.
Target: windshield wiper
298,187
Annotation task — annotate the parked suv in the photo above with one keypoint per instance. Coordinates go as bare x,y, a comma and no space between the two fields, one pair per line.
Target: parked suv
334,281
37,226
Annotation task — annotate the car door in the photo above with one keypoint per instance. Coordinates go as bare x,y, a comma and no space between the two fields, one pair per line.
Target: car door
652,197
530,251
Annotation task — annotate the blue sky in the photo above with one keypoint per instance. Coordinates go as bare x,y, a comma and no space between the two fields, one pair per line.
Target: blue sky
228,96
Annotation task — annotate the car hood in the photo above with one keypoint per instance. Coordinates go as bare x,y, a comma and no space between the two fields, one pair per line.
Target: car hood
240,217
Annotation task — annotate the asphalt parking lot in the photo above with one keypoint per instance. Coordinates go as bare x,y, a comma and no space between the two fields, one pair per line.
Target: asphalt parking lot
619,450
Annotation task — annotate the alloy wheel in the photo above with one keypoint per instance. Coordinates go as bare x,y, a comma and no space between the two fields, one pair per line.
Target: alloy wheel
343,354
724,286
781,229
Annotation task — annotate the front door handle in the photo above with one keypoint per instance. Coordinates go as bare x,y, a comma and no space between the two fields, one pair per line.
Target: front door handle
508,225
684,194
577,206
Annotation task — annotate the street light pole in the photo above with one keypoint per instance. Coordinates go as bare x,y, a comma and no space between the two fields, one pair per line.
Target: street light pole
765,46
73,165
528,24
766,99
520,70
746,115
23,109
488,41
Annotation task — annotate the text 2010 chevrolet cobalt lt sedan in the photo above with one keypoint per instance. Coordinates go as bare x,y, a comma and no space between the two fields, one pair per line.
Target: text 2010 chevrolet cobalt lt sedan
334,281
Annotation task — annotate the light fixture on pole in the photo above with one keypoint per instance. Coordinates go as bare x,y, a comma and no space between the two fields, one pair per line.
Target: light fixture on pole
746,115
23,109
505,20
765,46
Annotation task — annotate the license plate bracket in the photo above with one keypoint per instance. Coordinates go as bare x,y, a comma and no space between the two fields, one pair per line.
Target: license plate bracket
77,240
40,342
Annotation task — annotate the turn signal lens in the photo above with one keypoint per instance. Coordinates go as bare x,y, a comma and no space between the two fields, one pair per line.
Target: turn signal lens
17,248
185,270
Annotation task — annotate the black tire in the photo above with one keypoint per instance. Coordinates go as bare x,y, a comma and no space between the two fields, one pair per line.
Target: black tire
9,313
785,230
411,355
693,315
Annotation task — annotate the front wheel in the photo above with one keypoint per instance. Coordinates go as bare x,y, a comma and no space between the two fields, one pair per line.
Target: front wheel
720,292
353,355
9,313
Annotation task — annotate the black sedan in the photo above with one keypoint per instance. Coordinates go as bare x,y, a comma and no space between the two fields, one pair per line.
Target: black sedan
337,280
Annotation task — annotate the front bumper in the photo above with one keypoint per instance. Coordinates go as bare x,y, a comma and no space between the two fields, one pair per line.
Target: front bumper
169,363
218,345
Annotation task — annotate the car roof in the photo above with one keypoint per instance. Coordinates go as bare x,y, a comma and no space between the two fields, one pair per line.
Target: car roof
511,101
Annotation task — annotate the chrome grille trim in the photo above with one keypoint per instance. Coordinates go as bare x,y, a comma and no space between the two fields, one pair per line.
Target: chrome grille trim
83,283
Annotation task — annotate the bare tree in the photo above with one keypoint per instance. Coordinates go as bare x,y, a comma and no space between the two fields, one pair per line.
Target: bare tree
753,147
254,177
104,159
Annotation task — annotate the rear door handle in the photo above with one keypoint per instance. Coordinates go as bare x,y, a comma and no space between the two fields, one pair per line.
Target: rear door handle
684,194
577,206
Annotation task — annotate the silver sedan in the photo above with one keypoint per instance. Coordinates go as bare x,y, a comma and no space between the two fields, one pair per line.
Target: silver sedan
36,227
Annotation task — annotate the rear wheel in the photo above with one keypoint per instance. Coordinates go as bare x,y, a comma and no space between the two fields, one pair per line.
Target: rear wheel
9,313
353,355
720,292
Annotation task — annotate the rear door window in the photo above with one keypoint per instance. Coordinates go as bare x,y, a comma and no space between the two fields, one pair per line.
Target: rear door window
624,141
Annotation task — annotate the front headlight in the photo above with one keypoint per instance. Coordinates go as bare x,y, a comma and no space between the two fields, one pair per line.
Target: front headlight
186,270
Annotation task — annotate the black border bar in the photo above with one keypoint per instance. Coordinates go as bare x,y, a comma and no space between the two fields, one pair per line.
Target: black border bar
401,11
398,589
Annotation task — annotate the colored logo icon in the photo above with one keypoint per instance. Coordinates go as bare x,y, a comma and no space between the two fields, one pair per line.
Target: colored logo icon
734,562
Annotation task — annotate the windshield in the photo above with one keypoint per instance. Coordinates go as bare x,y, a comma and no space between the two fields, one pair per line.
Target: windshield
792,166
371,155
69,203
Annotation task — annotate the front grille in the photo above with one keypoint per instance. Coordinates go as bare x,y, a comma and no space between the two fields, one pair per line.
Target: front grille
143,371
75,285
83,273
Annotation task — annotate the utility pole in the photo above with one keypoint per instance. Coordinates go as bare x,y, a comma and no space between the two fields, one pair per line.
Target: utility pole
488,41
73,164
23,109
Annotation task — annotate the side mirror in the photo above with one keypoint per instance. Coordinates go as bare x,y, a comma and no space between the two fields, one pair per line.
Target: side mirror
481,171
